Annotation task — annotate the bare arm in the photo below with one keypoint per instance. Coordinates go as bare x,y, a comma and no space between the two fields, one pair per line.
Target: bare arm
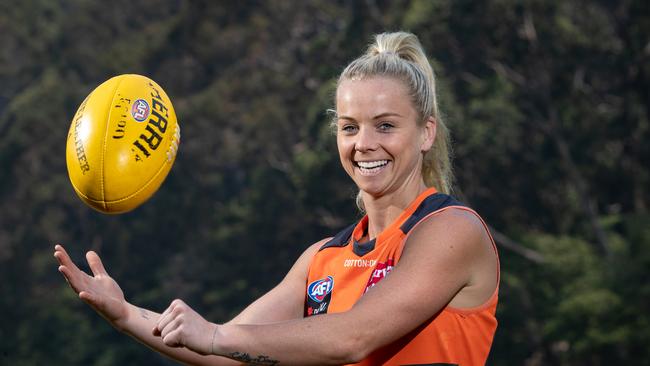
453,249
103,294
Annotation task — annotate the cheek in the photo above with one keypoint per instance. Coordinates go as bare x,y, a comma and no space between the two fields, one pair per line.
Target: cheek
345,155
343,148
406,150
343,145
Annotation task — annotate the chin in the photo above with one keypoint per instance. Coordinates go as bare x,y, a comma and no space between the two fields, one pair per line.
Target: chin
371,191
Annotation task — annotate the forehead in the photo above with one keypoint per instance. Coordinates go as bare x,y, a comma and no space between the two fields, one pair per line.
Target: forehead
373,95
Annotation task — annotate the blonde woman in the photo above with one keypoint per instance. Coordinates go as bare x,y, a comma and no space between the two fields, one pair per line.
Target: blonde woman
415,281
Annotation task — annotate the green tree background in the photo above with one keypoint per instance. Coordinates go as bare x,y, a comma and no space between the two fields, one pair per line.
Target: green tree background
548,103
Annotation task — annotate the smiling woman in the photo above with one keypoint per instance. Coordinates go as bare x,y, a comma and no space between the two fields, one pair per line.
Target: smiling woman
401,57
415,281
380,141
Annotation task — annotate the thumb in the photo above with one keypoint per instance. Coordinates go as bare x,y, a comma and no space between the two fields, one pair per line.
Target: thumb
101,305
89,298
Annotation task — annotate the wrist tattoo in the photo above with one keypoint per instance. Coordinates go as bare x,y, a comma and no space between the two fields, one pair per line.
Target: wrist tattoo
259,360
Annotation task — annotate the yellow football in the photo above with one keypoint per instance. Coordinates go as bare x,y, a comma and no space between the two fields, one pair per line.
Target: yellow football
122,143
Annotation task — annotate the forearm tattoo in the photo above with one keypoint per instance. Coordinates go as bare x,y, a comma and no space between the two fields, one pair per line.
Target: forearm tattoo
144,313
259,360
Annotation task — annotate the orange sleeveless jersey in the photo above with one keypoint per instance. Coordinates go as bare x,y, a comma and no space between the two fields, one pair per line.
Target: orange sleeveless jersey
343,270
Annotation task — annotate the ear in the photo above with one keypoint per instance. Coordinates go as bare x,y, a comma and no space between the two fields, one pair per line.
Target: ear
428,134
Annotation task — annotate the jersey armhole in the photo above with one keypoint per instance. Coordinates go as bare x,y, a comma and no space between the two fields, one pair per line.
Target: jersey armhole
491,300
319,244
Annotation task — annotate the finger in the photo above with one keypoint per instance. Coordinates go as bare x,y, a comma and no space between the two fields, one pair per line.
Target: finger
170,327
95,301
90,299
72,281
173,339
64,259
164,319
158,327
95,263
168,315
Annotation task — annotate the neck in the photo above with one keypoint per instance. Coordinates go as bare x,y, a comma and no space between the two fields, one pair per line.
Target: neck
385,209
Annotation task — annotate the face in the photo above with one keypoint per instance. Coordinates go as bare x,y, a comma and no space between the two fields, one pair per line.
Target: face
379,139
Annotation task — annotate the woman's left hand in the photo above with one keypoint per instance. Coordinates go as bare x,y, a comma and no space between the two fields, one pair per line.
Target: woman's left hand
180,326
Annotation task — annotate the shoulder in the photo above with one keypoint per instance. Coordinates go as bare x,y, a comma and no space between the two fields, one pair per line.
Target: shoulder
311,250
301,266
454,231
455,242
315,247
309,253
452,221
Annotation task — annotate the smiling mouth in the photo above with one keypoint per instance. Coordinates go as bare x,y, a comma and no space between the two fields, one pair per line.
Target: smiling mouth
370,167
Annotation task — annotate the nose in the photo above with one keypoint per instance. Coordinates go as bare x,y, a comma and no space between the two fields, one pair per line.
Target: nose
366,140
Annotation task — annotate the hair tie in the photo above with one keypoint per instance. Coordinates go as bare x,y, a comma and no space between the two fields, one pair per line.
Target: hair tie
391,53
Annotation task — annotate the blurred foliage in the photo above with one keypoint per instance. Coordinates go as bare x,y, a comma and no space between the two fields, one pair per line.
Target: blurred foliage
548,103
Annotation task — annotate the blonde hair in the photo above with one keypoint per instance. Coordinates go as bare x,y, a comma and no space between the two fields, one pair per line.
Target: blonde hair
399,55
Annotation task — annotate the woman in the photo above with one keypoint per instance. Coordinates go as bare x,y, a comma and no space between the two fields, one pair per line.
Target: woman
338,304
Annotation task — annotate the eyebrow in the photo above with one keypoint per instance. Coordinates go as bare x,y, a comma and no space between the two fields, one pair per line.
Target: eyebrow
379,116
387,114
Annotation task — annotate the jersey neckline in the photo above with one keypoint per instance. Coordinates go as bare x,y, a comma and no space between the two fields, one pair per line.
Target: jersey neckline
361,249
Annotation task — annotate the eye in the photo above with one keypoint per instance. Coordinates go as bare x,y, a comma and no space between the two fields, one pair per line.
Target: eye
348,128
385,126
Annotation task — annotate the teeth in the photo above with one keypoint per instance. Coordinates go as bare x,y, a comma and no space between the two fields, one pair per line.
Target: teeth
372,164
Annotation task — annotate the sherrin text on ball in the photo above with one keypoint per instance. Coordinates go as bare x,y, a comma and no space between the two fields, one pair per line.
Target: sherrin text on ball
122,143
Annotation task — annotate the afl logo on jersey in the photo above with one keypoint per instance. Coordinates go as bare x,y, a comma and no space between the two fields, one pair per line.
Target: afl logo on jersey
319,289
